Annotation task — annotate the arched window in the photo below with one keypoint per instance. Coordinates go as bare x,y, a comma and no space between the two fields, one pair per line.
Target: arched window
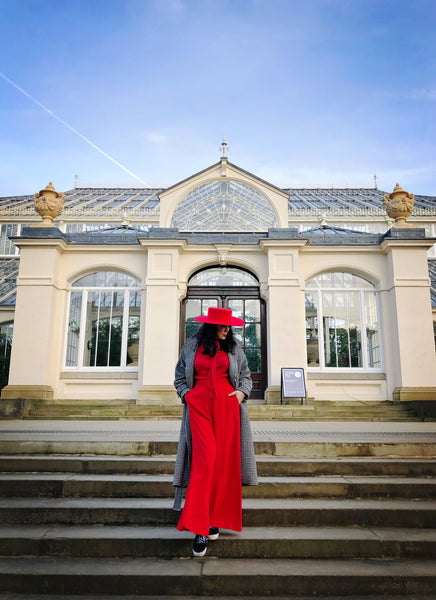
224,206
103,323
342,324
227,276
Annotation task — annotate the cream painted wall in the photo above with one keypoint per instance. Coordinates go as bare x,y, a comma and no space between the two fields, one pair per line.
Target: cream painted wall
398,269
47,269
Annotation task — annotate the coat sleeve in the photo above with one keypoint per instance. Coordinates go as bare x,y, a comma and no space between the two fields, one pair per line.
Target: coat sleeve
180,382
245,382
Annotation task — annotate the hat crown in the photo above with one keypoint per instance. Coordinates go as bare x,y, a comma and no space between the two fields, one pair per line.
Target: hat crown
220,316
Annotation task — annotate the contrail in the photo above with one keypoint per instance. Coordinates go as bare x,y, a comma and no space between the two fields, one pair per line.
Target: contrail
50,112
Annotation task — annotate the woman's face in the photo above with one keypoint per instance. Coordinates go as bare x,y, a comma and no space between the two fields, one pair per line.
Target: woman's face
222,331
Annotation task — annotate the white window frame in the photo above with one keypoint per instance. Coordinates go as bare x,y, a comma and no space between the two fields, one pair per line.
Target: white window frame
320,314
85,290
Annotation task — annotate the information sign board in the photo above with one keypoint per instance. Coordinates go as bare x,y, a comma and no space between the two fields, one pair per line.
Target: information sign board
293,383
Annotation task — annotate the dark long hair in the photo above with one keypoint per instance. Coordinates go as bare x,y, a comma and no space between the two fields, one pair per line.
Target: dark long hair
207,337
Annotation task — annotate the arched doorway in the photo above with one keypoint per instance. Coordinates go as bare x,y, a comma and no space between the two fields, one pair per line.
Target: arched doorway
231,287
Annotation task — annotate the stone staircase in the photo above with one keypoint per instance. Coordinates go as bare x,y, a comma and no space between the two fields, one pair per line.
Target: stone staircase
345,520
313,411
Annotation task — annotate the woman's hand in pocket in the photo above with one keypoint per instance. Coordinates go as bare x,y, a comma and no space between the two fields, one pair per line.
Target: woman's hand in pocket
239,395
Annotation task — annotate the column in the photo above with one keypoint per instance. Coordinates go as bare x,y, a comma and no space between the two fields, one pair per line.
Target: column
285,312
39,318
161,322
407,321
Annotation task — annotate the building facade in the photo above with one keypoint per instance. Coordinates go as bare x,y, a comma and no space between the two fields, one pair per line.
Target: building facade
100,303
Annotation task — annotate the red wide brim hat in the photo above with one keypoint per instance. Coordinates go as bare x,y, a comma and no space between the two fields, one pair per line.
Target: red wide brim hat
220,316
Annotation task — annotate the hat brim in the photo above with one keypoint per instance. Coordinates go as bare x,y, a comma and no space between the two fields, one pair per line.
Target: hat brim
232,321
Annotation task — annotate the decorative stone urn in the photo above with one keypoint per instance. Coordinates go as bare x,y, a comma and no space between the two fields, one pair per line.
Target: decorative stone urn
399,205
49,204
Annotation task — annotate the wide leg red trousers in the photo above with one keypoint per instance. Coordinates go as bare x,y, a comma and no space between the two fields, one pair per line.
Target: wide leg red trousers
214,494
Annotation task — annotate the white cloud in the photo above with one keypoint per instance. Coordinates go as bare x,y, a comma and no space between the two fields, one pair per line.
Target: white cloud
156,138
424,94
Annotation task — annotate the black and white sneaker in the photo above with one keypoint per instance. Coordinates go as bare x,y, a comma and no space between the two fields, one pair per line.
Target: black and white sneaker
214,533
200,545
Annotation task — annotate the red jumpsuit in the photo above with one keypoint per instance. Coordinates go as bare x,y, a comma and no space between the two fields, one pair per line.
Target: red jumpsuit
214,495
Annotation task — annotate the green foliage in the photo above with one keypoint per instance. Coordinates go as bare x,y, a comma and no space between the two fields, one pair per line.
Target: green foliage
340,344
109,340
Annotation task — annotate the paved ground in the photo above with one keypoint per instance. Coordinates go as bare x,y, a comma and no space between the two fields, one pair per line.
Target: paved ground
263,431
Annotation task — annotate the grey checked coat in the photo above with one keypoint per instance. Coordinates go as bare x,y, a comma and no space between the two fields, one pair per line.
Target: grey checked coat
239,375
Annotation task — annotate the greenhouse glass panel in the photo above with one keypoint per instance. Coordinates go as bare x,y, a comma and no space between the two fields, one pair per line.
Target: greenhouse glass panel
224,206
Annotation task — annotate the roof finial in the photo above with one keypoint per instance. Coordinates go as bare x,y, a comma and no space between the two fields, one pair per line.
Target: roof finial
375,181
223,148
76,180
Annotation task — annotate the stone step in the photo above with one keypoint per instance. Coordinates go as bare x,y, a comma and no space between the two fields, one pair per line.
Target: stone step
160,486
266,466
323,411
252,409
214,577
325,512
261,405
307,447
255,542
136,417
190,597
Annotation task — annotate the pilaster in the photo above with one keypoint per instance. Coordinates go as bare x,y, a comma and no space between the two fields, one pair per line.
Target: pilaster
161,322
285,310
407,320
36,348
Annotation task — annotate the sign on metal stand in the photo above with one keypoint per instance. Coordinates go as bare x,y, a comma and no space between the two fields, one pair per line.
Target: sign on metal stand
293,384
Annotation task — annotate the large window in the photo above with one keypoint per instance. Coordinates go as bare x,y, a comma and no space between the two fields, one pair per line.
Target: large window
7,230
342,324
224,206
103,323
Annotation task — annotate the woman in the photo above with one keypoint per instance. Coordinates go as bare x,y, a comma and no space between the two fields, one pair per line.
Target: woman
215,448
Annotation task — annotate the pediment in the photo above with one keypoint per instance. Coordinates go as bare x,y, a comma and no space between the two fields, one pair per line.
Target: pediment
265,199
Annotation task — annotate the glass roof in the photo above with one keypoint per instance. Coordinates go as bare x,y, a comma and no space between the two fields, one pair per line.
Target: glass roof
145,202
8,279
224,206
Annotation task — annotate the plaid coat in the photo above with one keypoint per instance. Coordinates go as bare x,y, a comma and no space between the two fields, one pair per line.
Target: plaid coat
239,375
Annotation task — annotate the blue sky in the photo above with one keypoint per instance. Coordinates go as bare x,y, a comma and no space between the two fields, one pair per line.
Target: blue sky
307,92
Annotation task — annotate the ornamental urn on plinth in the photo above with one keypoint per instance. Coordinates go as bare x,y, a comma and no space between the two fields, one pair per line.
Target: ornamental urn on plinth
399,205
49,204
